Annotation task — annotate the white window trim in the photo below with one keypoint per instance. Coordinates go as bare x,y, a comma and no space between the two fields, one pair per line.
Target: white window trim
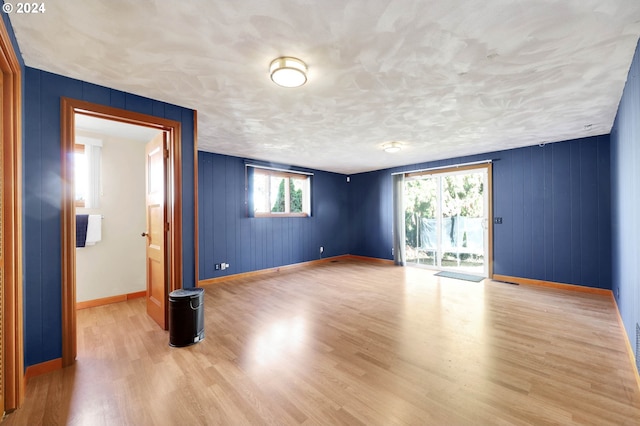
287,173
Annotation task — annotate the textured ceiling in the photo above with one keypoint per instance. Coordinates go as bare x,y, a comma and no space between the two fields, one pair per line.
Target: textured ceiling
445,77
116,129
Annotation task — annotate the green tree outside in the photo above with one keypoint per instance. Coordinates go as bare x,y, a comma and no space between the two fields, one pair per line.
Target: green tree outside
296,198
462,196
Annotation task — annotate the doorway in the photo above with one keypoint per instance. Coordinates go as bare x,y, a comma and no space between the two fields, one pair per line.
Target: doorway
447,220
171,217
110,183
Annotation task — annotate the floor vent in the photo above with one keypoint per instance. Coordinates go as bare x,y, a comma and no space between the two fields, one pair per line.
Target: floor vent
638,346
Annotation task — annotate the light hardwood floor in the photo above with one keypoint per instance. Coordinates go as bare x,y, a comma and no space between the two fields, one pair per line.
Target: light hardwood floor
351,343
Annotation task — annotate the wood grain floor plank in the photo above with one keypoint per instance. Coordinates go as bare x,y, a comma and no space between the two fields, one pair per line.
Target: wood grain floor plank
351,343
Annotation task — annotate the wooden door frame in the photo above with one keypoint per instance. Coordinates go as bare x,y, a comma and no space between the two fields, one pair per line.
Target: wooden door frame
12,280
69,107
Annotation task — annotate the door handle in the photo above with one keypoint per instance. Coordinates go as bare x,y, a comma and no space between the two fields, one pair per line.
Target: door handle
144,234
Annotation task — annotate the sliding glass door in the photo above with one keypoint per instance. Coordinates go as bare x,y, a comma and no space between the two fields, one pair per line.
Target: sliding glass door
446,220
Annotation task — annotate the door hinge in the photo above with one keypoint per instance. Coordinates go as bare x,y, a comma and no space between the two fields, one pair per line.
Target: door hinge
166,153
166,227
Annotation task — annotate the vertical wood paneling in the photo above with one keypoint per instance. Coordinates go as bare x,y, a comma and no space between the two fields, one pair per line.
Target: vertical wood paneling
49,223
290,242
231,211
205,173
42,194
245,249
530,213
249,244
218,213
267,242
158,109
256,245
575,237
33,206
33,187
263,228
117,99
139,104
50,227
561,212
277,240
589,249
547,213
535,256
502,207
538,192
517,225
604,210
625,183
239,214
96,94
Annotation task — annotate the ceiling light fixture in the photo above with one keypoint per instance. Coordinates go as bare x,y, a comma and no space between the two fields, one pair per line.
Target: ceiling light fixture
288,72
392,147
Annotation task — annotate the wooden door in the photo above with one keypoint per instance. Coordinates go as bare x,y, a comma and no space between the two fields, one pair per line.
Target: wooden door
155,170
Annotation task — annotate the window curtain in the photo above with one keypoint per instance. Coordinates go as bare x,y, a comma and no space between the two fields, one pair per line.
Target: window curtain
93,155
398,220
249,189
308,200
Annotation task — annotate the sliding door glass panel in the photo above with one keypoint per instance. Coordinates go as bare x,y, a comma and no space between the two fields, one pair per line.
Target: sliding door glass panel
445,221
463,222
421,213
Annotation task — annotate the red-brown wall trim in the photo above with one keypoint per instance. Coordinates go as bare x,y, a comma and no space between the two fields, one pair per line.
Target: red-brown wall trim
42,368
542,283
108,300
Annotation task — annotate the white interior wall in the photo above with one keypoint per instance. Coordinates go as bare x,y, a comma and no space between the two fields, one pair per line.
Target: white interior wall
116,265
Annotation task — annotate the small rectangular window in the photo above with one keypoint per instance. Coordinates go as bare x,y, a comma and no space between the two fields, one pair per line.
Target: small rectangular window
87,159
279,194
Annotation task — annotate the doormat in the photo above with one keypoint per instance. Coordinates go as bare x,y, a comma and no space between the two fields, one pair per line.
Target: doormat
459,276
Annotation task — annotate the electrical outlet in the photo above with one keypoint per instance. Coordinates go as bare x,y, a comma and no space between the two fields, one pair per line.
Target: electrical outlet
497,220
217,266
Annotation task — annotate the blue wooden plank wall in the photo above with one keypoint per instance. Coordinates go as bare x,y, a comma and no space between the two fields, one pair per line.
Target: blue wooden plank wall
555,205
625,176
227,234
554,201
42,192
370,207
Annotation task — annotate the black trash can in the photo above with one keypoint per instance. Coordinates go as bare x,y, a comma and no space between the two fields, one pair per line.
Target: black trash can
186,316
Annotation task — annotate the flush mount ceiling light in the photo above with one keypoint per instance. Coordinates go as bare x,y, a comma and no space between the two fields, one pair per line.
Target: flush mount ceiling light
288,72
392,147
